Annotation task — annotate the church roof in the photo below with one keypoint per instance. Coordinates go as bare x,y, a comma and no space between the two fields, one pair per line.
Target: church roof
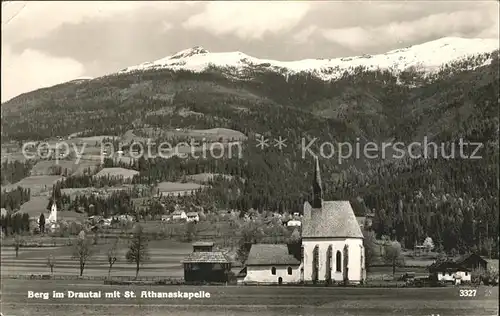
270,254
333,219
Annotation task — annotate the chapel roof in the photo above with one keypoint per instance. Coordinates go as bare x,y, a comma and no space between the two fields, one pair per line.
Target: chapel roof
333,219
270,254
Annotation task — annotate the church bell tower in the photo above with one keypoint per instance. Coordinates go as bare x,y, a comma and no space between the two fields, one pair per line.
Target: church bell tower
317,189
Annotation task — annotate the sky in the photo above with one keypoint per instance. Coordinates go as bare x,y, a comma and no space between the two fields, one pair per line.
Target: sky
46,43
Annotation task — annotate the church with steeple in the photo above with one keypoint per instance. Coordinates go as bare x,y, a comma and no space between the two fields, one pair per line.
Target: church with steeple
331,247
332,241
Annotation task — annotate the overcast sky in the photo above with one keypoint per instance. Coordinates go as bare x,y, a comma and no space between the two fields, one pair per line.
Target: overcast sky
46,43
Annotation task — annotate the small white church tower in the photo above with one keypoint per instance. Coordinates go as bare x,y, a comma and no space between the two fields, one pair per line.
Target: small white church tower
53,213
332,241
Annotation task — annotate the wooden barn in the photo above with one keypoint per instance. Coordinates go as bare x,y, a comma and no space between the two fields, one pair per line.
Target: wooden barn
473,262
206,265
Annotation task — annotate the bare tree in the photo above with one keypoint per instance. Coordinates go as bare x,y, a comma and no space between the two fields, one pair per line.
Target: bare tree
18,242
82,250
51,263
138,252
393,255
112,255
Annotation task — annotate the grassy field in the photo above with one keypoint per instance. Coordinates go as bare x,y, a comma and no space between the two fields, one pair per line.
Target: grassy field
166,256
47,167
240,300
117,172
206,177
166,188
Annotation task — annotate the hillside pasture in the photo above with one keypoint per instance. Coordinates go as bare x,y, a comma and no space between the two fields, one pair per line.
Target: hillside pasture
14,156
177,188
202,178
127,174
49,167
210,135
38,204
88,191
37,184
90,140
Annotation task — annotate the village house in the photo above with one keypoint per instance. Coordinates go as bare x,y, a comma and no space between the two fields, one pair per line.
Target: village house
294,223
473,262
206,265
192,217
178,215
449,271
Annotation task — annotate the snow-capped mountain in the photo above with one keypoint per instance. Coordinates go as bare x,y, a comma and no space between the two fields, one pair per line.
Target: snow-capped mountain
428,57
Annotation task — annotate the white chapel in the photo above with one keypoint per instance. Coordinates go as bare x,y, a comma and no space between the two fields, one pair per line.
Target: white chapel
332,247
332,241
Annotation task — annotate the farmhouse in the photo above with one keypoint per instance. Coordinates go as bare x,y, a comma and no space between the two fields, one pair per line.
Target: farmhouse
331,247
192,217
473,262
293,223
449,271
206,265
179,215
268,264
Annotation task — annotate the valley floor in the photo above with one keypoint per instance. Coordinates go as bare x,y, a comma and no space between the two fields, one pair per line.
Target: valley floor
234,300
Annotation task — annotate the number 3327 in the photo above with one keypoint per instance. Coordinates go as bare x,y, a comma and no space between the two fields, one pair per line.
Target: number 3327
468,293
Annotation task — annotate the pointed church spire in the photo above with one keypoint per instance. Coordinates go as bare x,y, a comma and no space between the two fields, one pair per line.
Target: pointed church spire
317,188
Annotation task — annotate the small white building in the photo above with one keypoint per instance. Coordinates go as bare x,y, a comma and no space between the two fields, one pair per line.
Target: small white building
51,223
179,215
192,217
270,264
294,223
450,272
126,218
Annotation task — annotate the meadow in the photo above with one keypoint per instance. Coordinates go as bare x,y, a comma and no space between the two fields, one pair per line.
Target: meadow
246,300
165,261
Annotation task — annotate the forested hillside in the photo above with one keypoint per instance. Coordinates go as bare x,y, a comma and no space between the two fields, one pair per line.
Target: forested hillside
454,201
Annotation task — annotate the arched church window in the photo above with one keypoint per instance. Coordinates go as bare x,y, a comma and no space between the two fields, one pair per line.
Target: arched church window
289,270
273,271
338,261
315,266
329,255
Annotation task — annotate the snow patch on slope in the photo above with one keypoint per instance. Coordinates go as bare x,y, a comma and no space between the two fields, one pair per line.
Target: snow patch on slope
428,57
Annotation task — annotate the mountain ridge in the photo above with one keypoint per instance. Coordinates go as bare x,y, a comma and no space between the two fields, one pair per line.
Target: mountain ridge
237,65
428,57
